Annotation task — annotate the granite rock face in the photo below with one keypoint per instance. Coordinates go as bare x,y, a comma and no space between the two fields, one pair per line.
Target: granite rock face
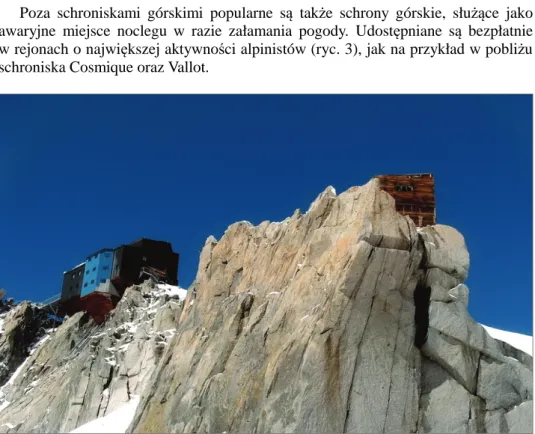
21,326
307,325
84,370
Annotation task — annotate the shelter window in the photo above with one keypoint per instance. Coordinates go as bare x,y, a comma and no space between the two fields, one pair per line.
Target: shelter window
404,187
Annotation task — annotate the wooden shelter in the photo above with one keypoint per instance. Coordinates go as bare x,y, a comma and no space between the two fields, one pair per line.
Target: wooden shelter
414,196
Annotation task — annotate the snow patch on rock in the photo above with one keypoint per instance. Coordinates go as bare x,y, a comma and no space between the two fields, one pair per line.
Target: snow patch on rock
172,291
115,422
517,340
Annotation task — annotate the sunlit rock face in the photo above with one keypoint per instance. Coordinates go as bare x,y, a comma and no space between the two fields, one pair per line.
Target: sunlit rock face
309,325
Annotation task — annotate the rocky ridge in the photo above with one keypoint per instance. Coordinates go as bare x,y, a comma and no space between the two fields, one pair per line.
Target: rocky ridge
21,327
84,370
320,323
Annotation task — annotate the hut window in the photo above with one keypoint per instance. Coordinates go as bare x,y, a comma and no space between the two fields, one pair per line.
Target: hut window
405,187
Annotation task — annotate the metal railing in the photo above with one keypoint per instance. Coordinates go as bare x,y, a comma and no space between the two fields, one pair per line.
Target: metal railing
50,300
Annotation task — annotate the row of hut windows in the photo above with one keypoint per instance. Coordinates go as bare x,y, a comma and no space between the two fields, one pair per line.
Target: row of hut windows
404,187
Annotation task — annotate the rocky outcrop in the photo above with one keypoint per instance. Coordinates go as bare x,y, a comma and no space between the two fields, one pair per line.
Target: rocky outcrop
307,325
21,326
6,304
489,379
85,370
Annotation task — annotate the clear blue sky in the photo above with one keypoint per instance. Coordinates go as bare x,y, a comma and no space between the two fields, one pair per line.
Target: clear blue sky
79,173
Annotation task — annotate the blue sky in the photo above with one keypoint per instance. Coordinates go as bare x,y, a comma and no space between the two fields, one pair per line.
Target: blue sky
79,173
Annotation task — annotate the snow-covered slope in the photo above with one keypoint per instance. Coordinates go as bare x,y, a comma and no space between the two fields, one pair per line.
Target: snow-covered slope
115,422
517,340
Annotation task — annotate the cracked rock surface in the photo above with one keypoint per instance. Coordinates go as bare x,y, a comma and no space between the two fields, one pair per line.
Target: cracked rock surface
84,371
20,327
307,325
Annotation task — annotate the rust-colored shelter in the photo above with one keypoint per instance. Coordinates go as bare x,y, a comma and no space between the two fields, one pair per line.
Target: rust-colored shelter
414,196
